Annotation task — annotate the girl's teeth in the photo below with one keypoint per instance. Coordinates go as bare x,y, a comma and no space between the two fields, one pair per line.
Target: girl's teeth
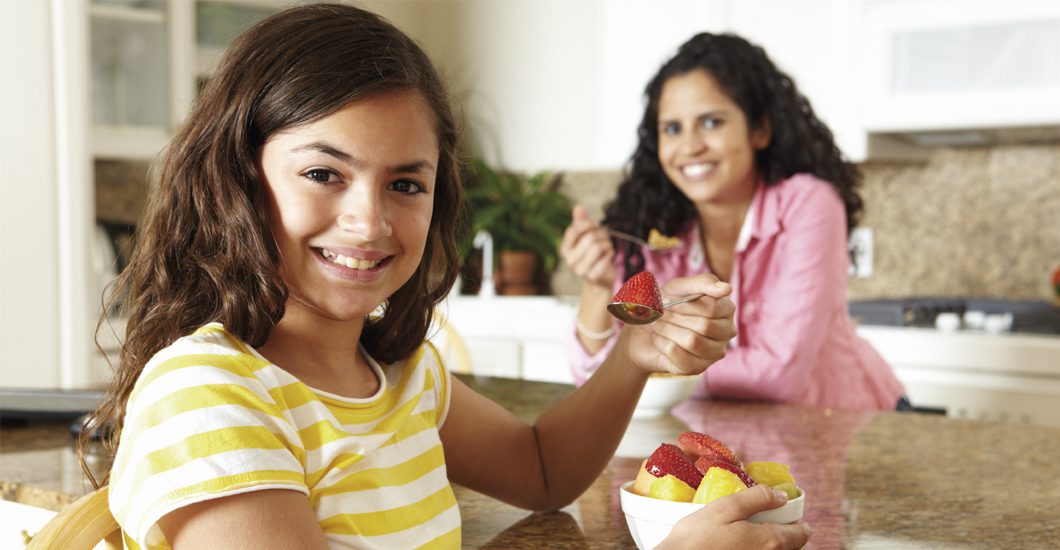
352,263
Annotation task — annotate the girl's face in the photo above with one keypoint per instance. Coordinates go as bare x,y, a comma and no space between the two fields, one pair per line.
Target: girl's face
350,202
705,146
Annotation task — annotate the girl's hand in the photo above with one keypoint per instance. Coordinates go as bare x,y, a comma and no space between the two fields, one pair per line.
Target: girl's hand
588,251
690,336
721,524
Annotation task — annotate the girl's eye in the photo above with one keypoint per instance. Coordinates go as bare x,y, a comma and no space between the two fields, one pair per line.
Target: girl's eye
709,123
407,187
322,175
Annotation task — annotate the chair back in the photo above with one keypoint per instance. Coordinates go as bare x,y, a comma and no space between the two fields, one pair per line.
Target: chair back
81,526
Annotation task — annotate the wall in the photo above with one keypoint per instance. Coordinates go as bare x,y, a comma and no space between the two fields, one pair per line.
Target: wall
981,221
29,281
550,84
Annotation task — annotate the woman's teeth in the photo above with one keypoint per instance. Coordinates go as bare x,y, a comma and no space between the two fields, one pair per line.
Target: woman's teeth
694,170
352,263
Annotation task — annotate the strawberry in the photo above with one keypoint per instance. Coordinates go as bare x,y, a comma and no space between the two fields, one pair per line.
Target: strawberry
706,462
641,289
695,445
669,459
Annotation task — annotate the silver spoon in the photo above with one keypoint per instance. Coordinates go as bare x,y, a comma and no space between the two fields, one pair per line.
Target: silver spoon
637,240
630,238
637,314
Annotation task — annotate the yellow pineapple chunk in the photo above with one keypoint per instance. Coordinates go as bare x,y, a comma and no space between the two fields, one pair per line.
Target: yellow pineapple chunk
789,488
644,480
717,483
769,473
669,487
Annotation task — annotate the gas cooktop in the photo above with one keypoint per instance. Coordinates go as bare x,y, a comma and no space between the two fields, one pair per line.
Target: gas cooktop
1019,316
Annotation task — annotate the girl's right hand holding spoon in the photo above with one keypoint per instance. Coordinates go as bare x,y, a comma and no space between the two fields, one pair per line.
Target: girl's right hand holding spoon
689,337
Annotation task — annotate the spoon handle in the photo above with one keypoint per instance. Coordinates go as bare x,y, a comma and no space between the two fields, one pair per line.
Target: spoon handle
629,238
683,300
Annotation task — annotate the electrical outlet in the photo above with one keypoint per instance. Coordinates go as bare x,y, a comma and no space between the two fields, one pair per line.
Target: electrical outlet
861,246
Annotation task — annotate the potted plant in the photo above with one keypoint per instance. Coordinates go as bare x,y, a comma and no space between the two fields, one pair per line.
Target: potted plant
525,215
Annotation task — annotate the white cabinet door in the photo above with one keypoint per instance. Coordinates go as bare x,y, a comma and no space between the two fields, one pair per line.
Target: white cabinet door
960,64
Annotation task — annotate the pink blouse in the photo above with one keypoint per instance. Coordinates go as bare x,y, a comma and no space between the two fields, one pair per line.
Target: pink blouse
796,341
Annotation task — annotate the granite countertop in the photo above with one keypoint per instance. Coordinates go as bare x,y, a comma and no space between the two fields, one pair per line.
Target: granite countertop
873,480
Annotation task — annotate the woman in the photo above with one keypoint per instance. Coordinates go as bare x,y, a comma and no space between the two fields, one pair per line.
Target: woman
732,160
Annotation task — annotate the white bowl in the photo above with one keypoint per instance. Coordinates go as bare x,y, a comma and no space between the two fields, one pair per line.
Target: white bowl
664,392
650,519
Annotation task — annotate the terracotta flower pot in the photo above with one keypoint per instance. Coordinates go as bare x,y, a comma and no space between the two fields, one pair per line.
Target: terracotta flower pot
515,272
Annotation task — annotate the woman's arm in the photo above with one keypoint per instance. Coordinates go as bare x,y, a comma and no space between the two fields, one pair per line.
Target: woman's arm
588,252
271,519
547,465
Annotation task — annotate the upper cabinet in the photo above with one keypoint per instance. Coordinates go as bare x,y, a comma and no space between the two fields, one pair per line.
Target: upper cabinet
130,80
148,59
939,71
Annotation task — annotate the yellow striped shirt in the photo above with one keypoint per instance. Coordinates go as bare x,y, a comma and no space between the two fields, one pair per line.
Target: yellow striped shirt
210,417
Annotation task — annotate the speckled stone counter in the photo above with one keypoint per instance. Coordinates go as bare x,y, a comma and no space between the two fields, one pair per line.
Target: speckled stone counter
873,481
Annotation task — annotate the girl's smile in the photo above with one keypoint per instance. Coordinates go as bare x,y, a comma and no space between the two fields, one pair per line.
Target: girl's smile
351,200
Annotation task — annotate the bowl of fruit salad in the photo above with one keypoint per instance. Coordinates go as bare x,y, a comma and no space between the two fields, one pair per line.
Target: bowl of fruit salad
677,480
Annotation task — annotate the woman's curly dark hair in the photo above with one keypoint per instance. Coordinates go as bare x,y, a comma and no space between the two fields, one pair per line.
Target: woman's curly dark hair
800,142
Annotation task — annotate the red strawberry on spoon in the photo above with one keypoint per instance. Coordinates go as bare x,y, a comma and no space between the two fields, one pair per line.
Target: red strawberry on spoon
639,302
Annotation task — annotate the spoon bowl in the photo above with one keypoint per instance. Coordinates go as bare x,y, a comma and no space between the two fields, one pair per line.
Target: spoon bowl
637,314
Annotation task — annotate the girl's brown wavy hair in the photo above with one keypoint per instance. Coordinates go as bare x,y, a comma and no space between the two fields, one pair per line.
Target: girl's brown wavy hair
204,251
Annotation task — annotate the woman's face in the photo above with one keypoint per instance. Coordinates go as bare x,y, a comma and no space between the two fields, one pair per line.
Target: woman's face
350,202
705,145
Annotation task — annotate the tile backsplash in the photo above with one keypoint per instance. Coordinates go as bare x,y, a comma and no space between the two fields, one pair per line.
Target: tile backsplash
970,221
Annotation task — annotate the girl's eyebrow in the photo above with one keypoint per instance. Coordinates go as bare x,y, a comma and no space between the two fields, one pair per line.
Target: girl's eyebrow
416,167
321,147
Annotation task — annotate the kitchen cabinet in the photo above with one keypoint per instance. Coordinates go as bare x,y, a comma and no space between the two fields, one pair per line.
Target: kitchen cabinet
1005,377
893,77
936,69
97,80
513,337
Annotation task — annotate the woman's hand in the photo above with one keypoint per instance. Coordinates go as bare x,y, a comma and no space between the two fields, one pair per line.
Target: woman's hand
722,524
690,336
588,251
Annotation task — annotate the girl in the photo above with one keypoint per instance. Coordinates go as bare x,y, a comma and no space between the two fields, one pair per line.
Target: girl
732,160
259,402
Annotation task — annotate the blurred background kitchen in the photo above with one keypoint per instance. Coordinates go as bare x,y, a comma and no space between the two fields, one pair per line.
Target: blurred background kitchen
951,108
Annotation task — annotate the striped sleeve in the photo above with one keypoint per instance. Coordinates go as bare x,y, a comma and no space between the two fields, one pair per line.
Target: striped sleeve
442,388
199,425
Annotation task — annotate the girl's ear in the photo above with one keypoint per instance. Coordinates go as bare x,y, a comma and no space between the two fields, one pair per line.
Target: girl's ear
761,136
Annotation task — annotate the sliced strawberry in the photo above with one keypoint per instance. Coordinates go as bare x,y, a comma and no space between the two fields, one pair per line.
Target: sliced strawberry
641,289
706,462
695,445
669,459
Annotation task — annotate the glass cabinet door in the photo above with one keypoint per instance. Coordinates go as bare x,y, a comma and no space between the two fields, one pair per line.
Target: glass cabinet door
129,69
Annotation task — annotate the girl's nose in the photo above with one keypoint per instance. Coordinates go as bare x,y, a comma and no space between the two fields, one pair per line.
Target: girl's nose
365,214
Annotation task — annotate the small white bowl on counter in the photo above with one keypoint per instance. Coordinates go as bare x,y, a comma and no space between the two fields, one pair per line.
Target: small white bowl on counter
664,392
650,519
